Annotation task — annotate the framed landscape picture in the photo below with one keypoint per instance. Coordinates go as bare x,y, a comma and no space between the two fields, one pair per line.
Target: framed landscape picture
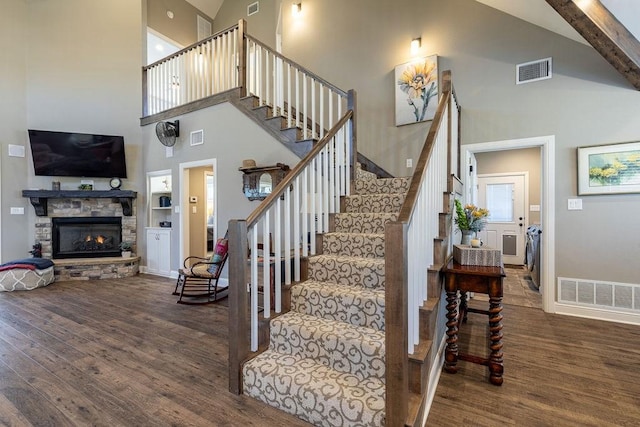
609,169
416,90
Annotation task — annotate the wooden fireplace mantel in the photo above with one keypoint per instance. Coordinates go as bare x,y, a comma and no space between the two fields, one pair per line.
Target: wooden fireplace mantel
39,198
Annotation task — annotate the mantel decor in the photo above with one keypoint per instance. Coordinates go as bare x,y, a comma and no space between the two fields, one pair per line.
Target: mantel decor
39,198
609,169
258,182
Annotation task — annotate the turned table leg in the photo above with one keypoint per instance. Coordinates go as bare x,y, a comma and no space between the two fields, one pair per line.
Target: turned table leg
451,352
496,367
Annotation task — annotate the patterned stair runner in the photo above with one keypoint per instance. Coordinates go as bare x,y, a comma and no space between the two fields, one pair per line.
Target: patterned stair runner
326,358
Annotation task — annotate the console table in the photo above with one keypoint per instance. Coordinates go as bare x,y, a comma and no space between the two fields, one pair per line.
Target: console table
484,280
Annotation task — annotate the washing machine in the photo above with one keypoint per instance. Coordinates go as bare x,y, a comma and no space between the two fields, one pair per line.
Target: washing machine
532,253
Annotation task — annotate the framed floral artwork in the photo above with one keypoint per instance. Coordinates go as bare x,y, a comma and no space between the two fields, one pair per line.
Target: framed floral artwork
609,169
416,90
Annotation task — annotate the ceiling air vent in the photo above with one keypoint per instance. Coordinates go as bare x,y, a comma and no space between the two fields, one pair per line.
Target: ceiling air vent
533,71
253,8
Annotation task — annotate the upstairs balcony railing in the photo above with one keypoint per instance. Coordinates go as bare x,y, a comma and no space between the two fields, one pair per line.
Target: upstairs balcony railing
233,59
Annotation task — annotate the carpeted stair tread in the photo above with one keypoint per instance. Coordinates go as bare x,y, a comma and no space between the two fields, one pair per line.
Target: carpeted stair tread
365,245
349,304
345,270
314,392
347,348
363,222
374,203
382,186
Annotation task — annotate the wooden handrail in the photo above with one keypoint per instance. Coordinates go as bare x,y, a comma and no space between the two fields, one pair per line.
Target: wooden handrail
410,200
295,172
400,261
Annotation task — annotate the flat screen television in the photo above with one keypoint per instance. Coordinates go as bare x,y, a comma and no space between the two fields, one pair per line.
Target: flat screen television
77,154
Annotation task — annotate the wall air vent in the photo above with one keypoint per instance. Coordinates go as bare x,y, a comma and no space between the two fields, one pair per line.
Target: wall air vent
204,28
253,8
196,137
533,71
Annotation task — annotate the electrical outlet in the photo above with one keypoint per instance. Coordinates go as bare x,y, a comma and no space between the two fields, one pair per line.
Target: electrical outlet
574,204
17,211
409,163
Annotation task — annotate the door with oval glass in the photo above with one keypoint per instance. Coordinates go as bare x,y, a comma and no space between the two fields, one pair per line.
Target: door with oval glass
505,196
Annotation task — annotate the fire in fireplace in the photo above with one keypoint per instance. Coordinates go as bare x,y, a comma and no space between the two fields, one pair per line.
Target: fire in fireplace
86,237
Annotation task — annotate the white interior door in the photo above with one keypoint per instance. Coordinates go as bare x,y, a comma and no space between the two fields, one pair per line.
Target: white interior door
504,195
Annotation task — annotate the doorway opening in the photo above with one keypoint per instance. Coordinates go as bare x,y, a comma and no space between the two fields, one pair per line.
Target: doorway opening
198,204
546,144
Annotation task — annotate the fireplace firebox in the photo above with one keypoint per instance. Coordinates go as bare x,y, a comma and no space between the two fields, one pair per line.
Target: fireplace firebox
86,237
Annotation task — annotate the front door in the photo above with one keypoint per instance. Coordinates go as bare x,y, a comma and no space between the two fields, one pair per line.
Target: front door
504,196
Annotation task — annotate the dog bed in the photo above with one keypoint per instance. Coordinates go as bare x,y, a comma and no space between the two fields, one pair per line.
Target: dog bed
26,274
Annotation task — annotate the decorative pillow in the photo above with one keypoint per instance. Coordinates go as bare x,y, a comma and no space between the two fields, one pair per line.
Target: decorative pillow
220,251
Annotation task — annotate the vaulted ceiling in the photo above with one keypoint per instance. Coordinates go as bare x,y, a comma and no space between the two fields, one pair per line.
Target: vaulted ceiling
588,21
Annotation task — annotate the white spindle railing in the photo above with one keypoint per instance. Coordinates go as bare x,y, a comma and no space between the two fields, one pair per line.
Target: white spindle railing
410,244
297,210
200,70
423,228
306,100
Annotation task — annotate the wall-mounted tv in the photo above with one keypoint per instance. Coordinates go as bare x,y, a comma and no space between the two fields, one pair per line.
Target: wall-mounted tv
77,154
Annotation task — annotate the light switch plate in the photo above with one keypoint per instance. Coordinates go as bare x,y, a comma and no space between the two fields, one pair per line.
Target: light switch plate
574,204
17,211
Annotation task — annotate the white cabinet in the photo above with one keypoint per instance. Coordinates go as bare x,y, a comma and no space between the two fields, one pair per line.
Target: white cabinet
158,251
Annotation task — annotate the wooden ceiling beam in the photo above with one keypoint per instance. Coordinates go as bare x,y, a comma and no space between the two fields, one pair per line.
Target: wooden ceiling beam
605,33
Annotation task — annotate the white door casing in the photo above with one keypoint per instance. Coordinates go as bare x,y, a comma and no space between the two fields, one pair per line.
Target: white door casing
547,145
506,196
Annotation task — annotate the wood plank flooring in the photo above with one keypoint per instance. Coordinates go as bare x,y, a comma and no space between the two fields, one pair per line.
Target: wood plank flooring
558,371
123,353
118,353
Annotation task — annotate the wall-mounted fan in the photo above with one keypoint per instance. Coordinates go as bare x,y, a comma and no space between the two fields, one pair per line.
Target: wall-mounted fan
167,132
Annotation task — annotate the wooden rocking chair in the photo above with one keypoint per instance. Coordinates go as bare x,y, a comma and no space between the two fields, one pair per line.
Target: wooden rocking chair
198,279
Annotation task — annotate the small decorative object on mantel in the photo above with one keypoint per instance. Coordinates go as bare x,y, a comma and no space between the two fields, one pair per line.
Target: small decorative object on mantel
85,187
470,220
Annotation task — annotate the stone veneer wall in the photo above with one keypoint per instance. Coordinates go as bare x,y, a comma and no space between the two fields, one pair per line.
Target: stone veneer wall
84,207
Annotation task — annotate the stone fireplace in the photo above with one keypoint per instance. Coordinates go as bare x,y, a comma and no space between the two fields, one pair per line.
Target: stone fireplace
105,217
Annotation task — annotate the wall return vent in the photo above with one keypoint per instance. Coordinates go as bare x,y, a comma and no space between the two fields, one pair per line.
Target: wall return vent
533,71
253,8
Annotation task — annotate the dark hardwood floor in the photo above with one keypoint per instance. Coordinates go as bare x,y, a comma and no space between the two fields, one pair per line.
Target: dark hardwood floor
123,353
118,353
558,371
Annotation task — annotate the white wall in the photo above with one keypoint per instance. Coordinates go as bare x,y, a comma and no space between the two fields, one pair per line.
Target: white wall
13,113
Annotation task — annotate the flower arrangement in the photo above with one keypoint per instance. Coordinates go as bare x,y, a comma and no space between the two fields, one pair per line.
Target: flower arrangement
471,218
125,246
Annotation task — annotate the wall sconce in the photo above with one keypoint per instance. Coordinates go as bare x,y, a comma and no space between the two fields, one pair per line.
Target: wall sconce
296,9
415,45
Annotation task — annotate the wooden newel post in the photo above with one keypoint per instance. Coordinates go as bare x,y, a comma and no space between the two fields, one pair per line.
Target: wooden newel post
242,56
352,104
238,303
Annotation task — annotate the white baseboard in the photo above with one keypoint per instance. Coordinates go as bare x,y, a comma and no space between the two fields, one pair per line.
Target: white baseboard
597,314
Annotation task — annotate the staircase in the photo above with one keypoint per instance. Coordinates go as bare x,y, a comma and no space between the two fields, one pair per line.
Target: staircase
326,358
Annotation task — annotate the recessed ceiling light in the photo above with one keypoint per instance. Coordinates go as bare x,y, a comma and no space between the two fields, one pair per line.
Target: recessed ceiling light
170,14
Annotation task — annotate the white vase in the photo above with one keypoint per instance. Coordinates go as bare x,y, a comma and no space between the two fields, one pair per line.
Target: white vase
126,254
